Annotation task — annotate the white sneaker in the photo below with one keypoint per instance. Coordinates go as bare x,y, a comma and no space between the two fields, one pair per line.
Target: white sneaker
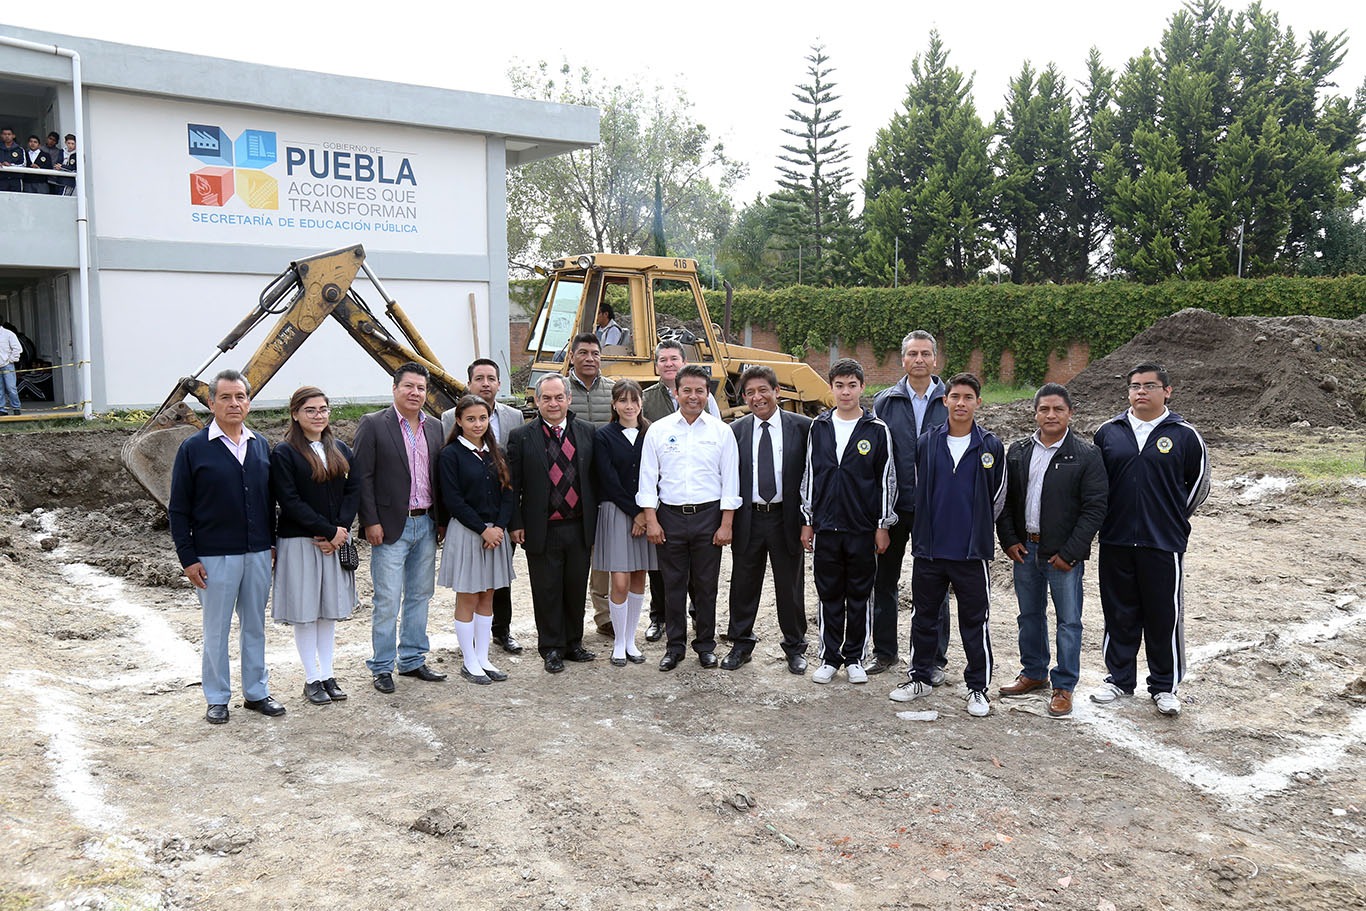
937,677
856,673
825,673
911,689
1167,703
978,704
1108,693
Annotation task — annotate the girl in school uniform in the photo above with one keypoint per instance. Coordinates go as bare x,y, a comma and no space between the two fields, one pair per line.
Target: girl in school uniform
477,492
621,547
318,498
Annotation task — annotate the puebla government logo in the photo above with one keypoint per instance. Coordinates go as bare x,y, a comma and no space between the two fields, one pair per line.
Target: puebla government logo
864,447
1164,445
988,460
232,167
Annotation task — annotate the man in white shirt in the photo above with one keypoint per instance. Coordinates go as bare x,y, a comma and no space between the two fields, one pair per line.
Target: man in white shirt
10,352
689,490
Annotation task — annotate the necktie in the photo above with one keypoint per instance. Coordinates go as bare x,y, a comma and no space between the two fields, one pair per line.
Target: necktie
768,481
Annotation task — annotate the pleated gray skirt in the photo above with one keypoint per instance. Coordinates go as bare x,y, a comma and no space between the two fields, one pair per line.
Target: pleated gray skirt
615,550
309,585
468,566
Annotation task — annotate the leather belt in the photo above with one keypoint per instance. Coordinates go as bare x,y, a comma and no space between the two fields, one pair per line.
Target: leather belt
767,507
414,513
689,509
1033,537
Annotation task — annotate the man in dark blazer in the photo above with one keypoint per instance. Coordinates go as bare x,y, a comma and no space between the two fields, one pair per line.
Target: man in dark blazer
400,512
555,518
768,524
484,381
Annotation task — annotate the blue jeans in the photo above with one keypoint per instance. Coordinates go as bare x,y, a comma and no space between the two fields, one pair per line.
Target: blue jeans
1034,579
9,386
403,571
241,583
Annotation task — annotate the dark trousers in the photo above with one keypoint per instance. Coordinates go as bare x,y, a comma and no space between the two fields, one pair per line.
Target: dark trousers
971,583
690,564
1142,599
559,583
502,607
767,542
844,565
887,596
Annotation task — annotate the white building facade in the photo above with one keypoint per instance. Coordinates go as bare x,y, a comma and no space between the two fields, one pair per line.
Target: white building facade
204,178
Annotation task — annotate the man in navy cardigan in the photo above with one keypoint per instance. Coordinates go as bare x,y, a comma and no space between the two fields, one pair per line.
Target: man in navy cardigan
221,516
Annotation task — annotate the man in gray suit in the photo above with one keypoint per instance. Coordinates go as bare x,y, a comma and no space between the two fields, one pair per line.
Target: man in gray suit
485,381
400,508
768,524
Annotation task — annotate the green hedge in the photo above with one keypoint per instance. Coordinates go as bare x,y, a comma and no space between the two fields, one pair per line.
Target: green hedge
1031,321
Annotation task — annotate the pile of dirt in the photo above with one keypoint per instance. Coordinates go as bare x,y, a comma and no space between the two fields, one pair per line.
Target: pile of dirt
1240,371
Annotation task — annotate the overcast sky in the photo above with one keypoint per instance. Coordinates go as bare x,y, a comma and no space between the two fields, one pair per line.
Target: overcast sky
737,63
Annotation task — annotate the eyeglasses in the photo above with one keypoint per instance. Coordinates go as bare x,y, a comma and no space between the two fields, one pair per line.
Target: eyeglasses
1144,387
315,412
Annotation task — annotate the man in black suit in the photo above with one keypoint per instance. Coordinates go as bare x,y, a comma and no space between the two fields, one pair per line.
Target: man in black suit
400,512
768,524
555,518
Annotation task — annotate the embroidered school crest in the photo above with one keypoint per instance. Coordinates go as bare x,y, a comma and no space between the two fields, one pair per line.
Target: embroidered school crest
988,460
1164,445
864,447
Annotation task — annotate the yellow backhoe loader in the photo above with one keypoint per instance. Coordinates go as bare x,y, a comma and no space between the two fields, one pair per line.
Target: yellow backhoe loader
303,296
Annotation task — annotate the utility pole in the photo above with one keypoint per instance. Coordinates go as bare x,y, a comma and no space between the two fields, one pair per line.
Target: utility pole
1241,230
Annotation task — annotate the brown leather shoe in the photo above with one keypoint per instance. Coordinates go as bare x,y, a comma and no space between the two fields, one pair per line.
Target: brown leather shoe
1023,685
1060,704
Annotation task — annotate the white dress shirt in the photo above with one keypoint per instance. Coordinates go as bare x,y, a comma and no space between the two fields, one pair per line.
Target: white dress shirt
238,449
684,464
775,433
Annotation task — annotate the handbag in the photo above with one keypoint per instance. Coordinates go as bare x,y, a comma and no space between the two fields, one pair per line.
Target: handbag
348,556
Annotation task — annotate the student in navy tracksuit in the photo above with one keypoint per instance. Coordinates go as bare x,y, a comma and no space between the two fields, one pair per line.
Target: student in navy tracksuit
960,488
1158,468
848,503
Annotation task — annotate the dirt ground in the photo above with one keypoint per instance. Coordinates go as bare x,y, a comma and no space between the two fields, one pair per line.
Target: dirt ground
606,787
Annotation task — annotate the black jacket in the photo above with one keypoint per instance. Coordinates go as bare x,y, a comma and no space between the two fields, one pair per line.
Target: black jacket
1153,493
308,508
795,429
616,467
855,492
1071,506
470,489
530,468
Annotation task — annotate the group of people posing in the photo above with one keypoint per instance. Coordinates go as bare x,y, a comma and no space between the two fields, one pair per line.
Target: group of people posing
609,486
54,155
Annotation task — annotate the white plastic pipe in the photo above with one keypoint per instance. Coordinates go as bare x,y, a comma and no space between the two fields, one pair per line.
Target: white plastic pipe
82,219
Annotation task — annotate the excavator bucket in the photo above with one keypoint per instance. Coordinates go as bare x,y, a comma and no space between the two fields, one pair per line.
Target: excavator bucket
148,453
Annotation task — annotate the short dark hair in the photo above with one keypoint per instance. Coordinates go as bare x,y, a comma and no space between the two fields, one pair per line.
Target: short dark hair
671,343
482,362
585,338
965,379
1150,367
694,370
1057,389
71,136
53,135
35,137
230,376
846,366
411,367
605,307
758,372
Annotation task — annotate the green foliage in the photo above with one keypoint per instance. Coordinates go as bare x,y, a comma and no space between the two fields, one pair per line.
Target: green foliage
1031,322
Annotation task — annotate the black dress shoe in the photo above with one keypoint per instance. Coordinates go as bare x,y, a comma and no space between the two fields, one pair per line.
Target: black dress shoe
384,683
635,659
267,706
422,672
735,659
496,675
669,661
315,693
617,662
217,714
796,664
580,654
335,692
655,631
553,662
707,660
481,679
509,644
878,664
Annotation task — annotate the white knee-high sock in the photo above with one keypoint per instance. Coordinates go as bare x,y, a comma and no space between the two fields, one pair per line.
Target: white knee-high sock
327,641
619,631
464,631
634,602
306,641
483,635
